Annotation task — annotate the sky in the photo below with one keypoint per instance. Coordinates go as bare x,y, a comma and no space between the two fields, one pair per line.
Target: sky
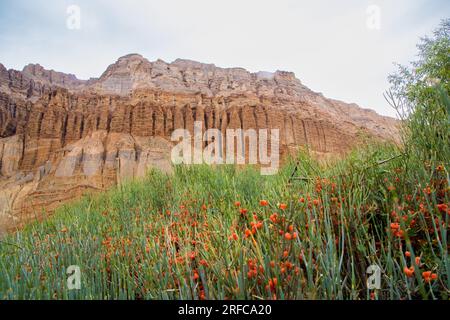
343,49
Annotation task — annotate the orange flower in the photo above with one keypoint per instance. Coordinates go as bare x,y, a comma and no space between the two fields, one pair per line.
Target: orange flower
428,276
273,217
427,190
395,226
287,236
204,207
243,211
417,261
237,204
302,200
409,271
263,203
316,202
407,254
442,207
272,284
399,233
248,233
196,276
285,253
282,206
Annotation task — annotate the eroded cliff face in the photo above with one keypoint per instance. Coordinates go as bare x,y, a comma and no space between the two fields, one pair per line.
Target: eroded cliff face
61,137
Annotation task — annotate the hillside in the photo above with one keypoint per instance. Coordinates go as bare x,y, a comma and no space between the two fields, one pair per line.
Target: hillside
228,233
62,137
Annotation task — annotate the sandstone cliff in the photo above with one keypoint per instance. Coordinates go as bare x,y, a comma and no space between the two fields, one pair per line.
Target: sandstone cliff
61,137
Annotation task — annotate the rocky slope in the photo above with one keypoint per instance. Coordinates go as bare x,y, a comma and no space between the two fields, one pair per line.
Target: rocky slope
61,137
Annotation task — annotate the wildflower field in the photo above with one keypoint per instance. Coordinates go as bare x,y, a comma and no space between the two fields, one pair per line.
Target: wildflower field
230,233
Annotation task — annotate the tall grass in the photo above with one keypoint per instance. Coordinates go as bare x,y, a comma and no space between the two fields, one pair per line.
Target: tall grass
203,233
230,233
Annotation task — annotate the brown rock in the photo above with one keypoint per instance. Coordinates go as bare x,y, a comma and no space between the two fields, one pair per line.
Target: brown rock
61,137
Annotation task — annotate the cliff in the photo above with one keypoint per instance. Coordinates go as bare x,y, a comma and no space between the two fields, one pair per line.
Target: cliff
61,137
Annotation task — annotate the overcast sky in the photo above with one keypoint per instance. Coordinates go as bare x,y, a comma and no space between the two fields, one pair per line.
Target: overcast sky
334,47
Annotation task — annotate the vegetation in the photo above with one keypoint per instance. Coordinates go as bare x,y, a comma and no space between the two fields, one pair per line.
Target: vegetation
230,233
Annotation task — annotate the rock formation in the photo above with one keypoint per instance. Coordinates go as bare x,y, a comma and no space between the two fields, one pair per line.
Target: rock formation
61,137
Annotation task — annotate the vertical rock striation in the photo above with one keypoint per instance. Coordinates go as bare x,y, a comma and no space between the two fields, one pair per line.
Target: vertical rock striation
61,137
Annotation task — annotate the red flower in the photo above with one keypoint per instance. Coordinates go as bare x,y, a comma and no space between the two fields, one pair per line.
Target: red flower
263,203
273,217
417,261
428,276
272,284
395,226
282,206
409,271
237,204
234,236
243,211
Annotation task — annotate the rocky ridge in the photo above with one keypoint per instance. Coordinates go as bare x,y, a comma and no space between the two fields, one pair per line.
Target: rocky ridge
61,137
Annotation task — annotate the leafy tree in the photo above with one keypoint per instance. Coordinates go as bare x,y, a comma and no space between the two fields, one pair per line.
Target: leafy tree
420,94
